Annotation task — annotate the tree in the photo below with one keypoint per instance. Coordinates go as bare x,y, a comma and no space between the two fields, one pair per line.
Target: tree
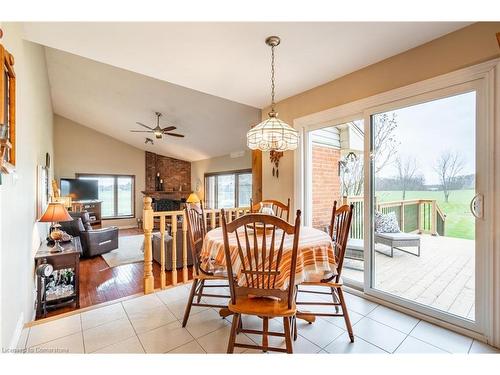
384,151
407,173
448,167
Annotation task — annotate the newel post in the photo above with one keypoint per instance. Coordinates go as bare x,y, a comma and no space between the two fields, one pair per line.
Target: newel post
148,223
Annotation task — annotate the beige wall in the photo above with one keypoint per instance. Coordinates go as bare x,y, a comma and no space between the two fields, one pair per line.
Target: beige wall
79,149
20,235
218,164
468,46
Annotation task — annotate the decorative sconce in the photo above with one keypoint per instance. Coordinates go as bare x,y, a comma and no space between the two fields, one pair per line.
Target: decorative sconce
275,157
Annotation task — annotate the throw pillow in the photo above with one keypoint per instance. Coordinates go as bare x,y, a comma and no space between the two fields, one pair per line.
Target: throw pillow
386,223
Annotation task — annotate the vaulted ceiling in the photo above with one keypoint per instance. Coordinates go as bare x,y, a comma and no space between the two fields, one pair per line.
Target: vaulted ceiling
209,79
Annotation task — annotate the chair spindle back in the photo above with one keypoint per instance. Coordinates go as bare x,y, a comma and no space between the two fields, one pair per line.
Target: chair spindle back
195,217
340,225
261,257
280,209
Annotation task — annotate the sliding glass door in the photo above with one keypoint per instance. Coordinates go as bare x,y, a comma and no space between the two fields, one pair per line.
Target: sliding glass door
417,170
426,197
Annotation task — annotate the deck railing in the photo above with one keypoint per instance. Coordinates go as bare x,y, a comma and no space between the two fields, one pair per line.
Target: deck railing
168,222
414,215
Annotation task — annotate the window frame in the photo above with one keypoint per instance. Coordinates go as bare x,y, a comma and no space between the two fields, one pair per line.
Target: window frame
236,173
115,192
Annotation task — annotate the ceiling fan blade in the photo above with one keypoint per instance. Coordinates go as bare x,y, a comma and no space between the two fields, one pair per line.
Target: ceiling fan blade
175,135
168,129
147,127
141,131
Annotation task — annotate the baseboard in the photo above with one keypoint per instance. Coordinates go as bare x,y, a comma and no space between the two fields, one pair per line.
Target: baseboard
17,332
127,227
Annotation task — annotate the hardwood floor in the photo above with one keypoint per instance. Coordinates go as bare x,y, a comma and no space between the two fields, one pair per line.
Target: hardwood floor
99,283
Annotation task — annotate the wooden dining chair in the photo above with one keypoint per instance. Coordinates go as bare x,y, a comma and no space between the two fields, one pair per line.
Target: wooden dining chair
195,217
340,224
280,209
263,281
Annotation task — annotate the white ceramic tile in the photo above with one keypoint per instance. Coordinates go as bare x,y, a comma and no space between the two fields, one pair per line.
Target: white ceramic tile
152,318
343,345
216,342
107,334
205,322
129,346
378,334
23,338
412,345
442,338
178,307
143,303
65,345
393,318
320,332
165,338
173,294
190,348
360,305
480,347
53,330
93,318
339,321
300,346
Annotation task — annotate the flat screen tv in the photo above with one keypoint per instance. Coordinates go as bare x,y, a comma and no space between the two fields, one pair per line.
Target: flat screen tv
79,189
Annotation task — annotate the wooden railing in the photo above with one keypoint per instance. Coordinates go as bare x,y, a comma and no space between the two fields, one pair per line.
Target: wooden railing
167,222
414,215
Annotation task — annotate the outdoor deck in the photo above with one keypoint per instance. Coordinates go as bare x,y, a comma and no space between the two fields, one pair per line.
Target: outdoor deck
442,277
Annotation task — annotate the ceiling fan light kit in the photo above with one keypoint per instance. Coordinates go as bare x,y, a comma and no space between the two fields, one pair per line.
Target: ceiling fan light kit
272,134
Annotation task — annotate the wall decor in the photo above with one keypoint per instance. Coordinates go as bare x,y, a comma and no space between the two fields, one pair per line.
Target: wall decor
7,112
42,190
275,157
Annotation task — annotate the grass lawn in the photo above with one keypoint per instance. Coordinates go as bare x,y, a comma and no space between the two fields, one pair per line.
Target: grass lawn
459,221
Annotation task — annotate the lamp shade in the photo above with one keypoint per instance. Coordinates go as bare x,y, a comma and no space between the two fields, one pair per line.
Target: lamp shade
54,213
193,198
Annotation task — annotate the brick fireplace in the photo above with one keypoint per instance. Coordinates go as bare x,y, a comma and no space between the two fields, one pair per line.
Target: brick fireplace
176,175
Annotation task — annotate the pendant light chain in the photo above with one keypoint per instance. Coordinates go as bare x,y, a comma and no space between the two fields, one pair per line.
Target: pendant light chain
272,80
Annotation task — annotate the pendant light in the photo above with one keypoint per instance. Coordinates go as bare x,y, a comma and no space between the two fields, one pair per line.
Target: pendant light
272,134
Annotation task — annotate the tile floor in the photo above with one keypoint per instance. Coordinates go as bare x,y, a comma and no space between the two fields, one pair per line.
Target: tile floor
151,324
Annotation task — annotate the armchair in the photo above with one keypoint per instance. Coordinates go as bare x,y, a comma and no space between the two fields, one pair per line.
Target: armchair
94,241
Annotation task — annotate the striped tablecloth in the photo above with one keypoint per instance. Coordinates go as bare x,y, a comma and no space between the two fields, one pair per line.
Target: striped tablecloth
315,257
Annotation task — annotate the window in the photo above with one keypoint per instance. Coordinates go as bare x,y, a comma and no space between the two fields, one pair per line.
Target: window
117,194
228,189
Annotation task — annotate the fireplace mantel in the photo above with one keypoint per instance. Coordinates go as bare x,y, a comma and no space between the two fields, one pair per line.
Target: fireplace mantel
174,195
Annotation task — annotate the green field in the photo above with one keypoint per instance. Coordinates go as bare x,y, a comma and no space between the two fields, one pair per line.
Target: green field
459,220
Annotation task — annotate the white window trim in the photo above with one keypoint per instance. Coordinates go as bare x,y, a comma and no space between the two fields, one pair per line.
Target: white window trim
489,72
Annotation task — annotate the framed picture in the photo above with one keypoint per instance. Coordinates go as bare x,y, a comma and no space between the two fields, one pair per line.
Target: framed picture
7,112
42,190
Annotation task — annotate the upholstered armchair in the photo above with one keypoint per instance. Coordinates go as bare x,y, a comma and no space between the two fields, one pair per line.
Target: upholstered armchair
94,241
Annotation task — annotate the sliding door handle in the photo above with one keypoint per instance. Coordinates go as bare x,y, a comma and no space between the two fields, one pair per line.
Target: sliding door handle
476,206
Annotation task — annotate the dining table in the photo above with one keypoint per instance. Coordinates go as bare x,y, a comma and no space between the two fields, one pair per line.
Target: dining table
315,256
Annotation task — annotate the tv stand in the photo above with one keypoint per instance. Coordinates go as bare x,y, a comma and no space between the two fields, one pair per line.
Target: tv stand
93,207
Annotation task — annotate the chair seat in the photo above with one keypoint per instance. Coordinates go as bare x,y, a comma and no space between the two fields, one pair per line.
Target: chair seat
319,283
261,306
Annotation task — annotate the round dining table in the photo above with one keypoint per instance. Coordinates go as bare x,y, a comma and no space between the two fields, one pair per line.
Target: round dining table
315,255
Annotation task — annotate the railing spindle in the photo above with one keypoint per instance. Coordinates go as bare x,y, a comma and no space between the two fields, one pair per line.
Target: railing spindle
184,249
148,222
173,217
163,276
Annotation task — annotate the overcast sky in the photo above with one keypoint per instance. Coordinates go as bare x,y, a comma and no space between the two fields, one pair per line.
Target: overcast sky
426,130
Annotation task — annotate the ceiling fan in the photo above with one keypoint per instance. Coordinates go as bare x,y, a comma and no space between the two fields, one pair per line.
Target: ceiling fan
157,130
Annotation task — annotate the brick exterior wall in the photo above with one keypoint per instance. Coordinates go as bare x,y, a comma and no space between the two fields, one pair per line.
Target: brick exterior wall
174,172
325,183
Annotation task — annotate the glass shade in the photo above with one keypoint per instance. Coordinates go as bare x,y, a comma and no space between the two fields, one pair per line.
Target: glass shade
273,134
54,213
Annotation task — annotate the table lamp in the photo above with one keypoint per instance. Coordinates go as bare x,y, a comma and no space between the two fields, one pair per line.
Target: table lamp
193,198
55,213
